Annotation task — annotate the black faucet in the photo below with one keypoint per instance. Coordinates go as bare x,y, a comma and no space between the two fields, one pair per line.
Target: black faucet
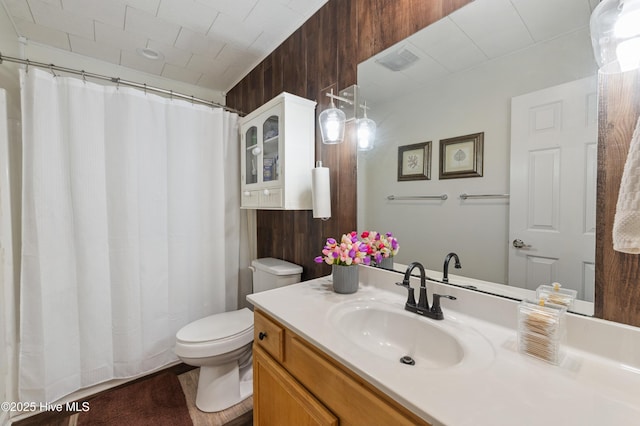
445,273
422,307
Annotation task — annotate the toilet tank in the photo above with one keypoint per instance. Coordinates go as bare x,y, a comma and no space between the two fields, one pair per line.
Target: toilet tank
270,273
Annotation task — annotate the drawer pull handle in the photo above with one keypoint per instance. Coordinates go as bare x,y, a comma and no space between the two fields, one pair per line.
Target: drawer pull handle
262,335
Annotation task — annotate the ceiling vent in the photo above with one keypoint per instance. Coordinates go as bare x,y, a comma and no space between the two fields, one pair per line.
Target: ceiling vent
399,60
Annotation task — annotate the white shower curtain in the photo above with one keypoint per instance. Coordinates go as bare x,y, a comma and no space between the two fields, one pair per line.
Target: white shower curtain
124,237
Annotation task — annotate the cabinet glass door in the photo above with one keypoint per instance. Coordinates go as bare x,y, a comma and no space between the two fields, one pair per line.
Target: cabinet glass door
252,155
270,144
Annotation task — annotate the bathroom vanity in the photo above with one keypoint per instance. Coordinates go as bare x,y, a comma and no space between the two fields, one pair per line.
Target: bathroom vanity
327,358
295,383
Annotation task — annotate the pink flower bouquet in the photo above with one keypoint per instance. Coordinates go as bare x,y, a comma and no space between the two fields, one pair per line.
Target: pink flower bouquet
380,246
349,251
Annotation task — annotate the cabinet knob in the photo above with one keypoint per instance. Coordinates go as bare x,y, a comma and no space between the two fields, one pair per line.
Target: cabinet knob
256,151
246,193
266,192
262,335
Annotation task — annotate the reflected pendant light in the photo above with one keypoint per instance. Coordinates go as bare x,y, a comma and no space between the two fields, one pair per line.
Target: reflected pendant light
615,35
332,122
365,131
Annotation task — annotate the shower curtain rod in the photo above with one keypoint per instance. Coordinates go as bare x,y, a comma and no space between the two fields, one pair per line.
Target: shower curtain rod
117,81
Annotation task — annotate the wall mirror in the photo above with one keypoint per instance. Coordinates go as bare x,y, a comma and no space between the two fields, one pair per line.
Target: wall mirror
521,73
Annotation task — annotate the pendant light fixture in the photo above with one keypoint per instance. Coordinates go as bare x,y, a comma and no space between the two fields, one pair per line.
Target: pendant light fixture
615,35
365,131
332,123
333,119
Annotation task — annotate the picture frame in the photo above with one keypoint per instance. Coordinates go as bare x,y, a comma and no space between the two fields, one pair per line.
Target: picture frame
462,156
414,161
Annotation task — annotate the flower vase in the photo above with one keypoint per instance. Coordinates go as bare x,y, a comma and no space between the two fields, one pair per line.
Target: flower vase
345,279
386,263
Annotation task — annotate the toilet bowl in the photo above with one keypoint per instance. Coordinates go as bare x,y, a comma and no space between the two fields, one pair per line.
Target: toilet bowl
220,344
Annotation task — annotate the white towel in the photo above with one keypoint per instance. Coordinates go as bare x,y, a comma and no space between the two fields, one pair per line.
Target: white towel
626,224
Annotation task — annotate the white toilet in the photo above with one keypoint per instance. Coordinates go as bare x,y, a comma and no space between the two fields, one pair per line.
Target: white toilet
221,344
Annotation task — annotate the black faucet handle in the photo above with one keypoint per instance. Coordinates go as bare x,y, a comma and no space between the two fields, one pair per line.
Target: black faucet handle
411,298
435,308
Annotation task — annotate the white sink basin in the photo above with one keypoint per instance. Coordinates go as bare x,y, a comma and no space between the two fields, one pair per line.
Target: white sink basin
388,331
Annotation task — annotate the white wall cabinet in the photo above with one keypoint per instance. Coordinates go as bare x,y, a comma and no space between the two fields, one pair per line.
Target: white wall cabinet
277,154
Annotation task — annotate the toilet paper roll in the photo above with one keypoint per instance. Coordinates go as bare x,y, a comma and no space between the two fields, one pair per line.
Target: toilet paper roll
321,192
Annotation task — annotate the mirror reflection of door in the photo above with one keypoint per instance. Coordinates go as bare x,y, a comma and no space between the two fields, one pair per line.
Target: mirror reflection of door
553,187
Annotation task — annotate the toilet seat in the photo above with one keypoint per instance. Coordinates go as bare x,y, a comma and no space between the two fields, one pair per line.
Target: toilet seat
216,334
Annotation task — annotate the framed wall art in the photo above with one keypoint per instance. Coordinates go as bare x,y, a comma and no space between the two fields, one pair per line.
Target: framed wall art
414,161
462,156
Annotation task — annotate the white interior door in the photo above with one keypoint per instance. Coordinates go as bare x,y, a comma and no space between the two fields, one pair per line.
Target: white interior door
553,187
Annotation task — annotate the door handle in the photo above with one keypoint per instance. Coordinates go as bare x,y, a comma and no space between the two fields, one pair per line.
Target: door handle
518,243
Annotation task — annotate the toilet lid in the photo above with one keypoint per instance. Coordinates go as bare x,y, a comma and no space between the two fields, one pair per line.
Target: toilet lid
216,327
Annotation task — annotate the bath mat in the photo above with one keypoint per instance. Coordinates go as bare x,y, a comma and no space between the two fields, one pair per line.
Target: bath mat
156,401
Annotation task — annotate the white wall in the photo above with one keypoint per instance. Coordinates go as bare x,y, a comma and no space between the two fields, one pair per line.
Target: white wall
8,72
6,254
477,100
9,108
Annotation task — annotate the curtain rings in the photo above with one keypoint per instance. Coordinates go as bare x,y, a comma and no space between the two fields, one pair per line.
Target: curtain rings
51,70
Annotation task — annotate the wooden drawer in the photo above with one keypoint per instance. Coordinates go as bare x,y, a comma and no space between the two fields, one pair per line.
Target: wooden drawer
348,396
271,197
250,198
269,335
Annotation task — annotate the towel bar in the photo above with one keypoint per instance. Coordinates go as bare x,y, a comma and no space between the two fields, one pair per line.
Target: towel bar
417,197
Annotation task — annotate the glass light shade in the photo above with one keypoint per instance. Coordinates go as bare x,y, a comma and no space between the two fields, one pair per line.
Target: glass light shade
366,133
615,35
332,123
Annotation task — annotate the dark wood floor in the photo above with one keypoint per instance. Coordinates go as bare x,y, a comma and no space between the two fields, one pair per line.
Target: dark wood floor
238,415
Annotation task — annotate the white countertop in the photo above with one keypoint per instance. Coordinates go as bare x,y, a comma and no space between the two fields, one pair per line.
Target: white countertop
495,384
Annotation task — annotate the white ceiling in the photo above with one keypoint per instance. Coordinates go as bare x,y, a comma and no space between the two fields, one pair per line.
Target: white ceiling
480,31
208,43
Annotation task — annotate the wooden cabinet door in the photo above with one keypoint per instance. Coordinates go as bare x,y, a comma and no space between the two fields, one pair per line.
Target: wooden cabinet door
279,400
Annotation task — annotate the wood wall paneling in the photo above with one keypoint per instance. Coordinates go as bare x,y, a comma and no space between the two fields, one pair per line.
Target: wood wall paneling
382,23
294,65
325,52
617,274
347,45
268,78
